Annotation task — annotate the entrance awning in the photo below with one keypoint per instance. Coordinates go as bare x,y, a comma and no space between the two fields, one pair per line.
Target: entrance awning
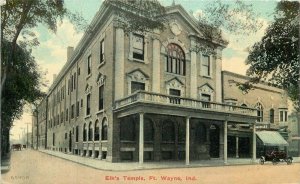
271,138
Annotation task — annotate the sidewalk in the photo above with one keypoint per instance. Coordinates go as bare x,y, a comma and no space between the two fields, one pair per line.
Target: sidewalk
128,166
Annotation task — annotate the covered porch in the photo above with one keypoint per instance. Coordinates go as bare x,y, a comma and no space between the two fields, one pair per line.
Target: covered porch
163,127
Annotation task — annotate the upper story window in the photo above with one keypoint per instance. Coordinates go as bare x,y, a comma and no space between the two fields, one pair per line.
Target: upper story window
283,115
272,116
138,47
136,86
101,97
88,104
175,60
102,51
89,64
260,112
206,65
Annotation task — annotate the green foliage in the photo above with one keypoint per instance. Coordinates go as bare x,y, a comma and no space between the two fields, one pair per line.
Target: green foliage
23,86
276,57
139,15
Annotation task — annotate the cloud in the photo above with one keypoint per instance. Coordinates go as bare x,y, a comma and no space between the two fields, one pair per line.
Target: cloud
51,54
235,64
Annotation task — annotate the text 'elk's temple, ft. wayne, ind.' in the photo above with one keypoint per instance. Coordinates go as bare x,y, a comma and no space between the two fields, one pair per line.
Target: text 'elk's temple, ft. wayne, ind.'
153,96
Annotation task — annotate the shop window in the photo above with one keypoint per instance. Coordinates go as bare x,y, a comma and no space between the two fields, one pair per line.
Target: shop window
96,134
104,130
90,131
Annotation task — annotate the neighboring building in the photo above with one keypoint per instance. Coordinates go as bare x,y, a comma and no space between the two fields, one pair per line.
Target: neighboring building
272,111
39,136
149,96
294,138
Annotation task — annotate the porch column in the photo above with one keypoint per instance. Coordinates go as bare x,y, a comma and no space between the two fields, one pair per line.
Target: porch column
225,142
119,66
237,147
187,142
254,144
141,139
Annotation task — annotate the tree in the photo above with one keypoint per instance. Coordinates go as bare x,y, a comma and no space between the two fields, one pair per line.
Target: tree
18,67
24,86
276,57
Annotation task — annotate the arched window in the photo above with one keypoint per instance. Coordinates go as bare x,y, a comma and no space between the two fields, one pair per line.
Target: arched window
90,131
260,112
77,133
168,131
84,132
271,115
148,130
244,105
96,131
104,129
175,60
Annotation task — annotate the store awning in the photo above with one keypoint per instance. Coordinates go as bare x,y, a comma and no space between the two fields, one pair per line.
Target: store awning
271,138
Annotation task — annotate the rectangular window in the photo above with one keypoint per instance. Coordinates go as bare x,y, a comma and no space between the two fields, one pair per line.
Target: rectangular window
138,47
77,133
77,109
67,114
89,64
69,85
281,116
72,83
175,92
101,97
206,98
88,104
75,80
72,111
102,51
78,71
53,139
81,105
136,86
206,66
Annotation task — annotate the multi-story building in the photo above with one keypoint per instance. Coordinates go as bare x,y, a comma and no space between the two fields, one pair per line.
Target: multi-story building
145,96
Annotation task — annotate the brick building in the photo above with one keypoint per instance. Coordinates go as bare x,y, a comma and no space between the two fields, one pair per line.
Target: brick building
149,96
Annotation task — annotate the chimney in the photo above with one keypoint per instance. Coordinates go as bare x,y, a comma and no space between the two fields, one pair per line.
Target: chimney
54,77
69,52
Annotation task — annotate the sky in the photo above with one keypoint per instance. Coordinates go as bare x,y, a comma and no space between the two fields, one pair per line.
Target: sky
51,54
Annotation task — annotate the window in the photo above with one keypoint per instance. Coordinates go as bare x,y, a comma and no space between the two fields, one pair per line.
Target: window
53,139
72,111
88,104
283,115
66,135
175,60
78,71
168,131
205,65
96,134
101,97
138,47
174,92
69,85
136,86
148,130
272,116
127,130
84,132
81,103
260,112
74,80
90,131
77,109
62,117
77,133
102,51
205,98
104,130
67,114
89,64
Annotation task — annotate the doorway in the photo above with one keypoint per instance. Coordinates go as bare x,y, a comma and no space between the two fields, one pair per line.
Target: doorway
214,138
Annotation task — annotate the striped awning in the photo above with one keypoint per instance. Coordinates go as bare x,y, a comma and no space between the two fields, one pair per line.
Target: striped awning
271,138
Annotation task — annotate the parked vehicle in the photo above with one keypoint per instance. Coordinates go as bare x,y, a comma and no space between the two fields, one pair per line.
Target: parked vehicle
275,157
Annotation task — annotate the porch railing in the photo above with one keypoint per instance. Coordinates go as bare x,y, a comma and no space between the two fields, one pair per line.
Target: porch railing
162,99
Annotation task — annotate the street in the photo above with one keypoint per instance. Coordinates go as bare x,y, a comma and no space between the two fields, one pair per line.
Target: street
34,167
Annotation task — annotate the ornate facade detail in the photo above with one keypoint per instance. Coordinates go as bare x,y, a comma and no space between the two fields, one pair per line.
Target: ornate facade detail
100,79
206,88
88,89
175,28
